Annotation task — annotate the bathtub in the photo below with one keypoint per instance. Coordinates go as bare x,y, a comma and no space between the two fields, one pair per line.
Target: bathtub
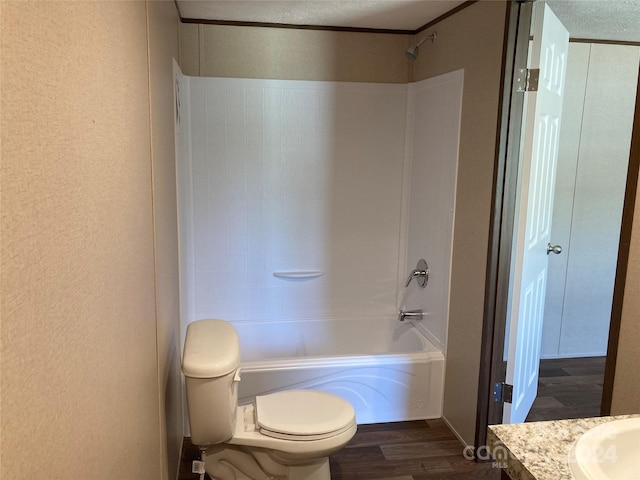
388,370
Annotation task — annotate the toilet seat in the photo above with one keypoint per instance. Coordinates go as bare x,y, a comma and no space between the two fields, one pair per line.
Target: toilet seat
303,415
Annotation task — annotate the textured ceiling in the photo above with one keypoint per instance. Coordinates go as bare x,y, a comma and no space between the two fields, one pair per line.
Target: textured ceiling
594,19
600,19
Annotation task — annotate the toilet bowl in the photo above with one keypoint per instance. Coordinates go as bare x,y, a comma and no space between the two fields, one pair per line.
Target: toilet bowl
285,435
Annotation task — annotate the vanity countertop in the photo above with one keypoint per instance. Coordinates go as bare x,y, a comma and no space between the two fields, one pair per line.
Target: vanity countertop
539,450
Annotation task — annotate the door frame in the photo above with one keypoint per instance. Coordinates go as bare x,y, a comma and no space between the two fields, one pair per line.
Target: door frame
492,366
630,193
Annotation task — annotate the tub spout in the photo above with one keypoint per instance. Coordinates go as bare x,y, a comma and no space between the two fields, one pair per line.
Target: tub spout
410,314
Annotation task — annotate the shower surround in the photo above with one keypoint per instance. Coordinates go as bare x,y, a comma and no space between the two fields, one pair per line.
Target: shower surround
303,201
293,176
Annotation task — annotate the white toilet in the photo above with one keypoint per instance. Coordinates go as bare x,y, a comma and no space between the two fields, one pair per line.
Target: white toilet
284,435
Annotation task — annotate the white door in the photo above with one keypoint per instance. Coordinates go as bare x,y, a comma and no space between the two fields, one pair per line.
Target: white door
537,180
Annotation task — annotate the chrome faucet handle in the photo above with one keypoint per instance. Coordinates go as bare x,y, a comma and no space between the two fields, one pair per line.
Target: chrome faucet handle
411,314
414,273
421,272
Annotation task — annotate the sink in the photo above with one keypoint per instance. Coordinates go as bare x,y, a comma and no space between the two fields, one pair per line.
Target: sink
610,451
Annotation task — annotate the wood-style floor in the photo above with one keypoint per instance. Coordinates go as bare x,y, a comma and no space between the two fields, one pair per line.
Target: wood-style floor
568,388
419,450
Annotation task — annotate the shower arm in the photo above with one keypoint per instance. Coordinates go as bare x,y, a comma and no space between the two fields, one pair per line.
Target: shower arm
433,37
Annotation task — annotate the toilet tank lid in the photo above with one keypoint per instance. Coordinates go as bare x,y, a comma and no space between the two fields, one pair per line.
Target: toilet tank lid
211,349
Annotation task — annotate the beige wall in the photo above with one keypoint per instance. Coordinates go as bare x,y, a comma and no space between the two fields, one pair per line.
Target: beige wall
258,52
472,39
82,368
626,385
164,48
163,34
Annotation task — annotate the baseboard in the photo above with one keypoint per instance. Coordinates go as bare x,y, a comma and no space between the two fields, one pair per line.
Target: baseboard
574,355
455,432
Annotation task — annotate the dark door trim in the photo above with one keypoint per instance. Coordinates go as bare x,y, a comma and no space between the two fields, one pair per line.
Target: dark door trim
502,221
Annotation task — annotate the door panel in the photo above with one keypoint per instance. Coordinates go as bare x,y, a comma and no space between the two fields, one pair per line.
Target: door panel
537,181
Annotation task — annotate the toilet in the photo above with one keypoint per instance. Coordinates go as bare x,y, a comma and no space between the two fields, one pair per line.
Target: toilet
283,435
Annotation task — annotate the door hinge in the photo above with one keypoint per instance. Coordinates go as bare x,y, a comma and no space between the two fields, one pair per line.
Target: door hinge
502,392
527,79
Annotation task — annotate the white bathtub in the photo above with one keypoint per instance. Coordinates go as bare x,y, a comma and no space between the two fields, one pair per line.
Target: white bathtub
388,370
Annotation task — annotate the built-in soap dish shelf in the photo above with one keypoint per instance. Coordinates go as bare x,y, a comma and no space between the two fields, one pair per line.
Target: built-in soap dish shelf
299,274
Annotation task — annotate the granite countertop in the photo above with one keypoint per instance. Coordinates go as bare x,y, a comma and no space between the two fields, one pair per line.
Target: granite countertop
539,450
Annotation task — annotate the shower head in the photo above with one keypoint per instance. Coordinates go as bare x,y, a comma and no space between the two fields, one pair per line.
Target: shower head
412,53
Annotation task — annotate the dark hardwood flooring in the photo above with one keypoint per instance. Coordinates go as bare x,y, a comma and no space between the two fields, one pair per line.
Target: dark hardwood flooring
568,388
418,450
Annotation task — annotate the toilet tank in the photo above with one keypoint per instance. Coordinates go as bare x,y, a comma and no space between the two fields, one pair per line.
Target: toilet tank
210,365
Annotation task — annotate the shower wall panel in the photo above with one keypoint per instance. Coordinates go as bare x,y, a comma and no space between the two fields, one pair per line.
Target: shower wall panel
433,139
290,177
